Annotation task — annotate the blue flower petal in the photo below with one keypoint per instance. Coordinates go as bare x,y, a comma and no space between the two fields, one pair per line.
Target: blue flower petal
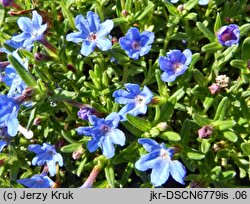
12,125
203,2
75,37
87,47
22,37
177,171
188,55
2,144
105,28
108,148
94,21
160,173
148,161
36,20
25,24
117,137
82,25
103,44
149,144
93,144
52,167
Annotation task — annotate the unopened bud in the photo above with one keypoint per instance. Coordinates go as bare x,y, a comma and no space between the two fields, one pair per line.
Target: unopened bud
180,8
162,126
114,40
77,154
214,88
37,121
222,81
39,56
219,146
83,113
125,13
205,132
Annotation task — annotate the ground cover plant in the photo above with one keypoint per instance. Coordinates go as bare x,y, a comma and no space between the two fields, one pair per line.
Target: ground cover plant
125,93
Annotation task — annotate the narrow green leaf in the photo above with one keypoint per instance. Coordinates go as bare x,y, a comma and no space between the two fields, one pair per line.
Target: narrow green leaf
171,8
245,109
127,173
81,166
218,23
195,155
139,123
68,15
71,147
31,118
190,4
238,64
62,95
170,136
208,34
128,5
227,175
199,77
167,110
231,136
246,148
22,72
222,109
185,131
211,47
141,14
227,55
246,49
110,175
223,125
205,146
201,120
134,131
244,29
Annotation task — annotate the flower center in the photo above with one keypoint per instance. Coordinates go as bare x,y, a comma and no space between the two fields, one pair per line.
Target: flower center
92,36
177,66
105,128
50,152
34,33
226,36
139,100
164,155
136,45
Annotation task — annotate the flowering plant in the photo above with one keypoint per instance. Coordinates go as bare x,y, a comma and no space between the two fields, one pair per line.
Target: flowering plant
120,94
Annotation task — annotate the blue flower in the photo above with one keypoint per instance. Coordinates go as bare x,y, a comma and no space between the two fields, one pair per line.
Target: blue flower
175,64
8,115
5,138
136,44
32,29
37,181
12,79
136,100
46,154
91,33
159,160
104,134
228,35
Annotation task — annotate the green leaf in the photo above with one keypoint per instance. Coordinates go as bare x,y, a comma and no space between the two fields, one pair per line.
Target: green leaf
223,125
171,136
134,131
171,8
227,54
128,5
205,146
244,29
199,77
162,88
167,110
246,148
127,173
62,95
201,120
246,49
218,23
238,64
139,123
244,108
222,109
232,137
110,175
140,15
208,34
81,166
211,47
71,147
227,175
195,155
22,72
68,15
190,4
185,131
31,118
